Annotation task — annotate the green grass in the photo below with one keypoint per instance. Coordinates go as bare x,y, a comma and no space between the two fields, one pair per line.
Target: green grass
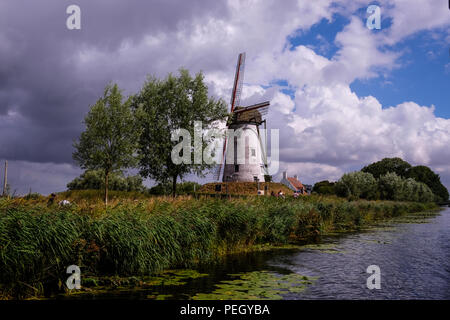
144,237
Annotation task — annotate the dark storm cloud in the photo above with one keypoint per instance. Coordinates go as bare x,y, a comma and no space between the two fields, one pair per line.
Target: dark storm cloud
43,98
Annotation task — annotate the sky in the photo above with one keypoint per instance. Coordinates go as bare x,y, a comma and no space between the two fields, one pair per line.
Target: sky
342,95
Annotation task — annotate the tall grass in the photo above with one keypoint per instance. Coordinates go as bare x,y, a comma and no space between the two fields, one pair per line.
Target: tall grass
37,242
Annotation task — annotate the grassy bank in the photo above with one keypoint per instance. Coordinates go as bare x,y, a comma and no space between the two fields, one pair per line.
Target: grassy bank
145,236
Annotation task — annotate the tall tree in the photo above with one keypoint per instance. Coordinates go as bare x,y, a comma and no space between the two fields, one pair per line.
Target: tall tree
396,165
109,141
164,106
431,179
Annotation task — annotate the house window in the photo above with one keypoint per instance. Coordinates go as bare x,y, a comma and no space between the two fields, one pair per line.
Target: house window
236,168
253,152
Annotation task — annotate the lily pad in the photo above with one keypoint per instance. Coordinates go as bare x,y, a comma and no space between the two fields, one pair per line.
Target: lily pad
257,285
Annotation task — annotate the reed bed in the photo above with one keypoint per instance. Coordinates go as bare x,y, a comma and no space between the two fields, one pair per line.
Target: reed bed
146,235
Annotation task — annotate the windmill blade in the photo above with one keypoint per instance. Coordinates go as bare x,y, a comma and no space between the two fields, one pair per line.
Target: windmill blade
219,167
238,82
263,152
264,105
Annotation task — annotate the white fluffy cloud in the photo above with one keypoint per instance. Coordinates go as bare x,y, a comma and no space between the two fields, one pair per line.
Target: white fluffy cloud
326,129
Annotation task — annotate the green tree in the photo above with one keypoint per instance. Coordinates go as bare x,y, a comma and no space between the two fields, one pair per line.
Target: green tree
394,187
164,106
357,185
396,165
324,187
390,186
432,180
109,141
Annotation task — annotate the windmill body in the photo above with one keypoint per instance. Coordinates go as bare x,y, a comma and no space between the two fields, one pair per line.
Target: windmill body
244,154
243,163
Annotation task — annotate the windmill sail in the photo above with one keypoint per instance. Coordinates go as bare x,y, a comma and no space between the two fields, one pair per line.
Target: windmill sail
235,101
238,82
243,117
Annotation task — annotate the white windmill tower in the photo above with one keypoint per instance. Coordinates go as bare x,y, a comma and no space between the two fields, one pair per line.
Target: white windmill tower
246,155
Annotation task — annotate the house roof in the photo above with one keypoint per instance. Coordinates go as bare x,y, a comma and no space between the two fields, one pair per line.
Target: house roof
295,183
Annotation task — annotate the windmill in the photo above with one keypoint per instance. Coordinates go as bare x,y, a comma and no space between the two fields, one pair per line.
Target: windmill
252,162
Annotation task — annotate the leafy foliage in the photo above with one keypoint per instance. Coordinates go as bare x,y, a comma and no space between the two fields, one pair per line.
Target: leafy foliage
393,187
95,179
109,141
358,185
404,170
324,187
431,179
164,106
379,168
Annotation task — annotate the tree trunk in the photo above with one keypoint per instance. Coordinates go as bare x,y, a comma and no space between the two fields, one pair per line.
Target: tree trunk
174,186
106,187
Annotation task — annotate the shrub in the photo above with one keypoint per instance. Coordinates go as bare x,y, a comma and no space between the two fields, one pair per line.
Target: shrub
324,187
391,187
95,180
358,185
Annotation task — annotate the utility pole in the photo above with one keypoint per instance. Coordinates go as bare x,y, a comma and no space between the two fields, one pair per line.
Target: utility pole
5,180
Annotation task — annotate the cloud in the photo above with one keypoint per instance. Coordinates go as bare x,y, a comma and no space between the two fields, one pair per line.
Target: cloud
334,129
409,17
49,77
44,178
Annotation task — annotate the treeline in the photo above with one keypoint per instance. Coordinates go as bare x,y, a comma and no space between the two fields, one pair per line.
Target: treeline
388,179
95,180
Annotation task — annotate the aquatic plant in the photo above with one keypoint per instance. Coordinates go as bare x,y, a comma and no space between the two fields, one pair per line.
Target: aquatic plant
257,285
143,237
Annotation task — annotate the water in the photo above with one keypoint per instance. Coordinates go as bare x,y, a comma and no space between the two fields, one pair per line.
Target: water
414,259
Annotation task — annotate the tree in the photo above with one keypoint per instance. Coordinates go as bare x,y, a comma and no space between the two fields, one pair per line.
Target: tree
390,186
357,185
396,165
164,106
109,141
95,179
324,187
431,179
394,187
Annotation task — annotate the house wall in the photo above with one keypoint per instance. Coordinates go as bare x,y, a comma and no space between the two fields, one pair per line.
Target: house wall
286,182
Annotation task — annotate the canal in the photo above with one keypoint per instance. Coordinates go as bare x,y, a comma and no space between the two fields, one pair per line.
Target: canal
412,252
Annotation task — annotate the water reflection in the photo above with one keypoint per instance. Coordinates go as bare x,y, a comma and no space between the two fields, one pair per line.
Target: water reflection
414,259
